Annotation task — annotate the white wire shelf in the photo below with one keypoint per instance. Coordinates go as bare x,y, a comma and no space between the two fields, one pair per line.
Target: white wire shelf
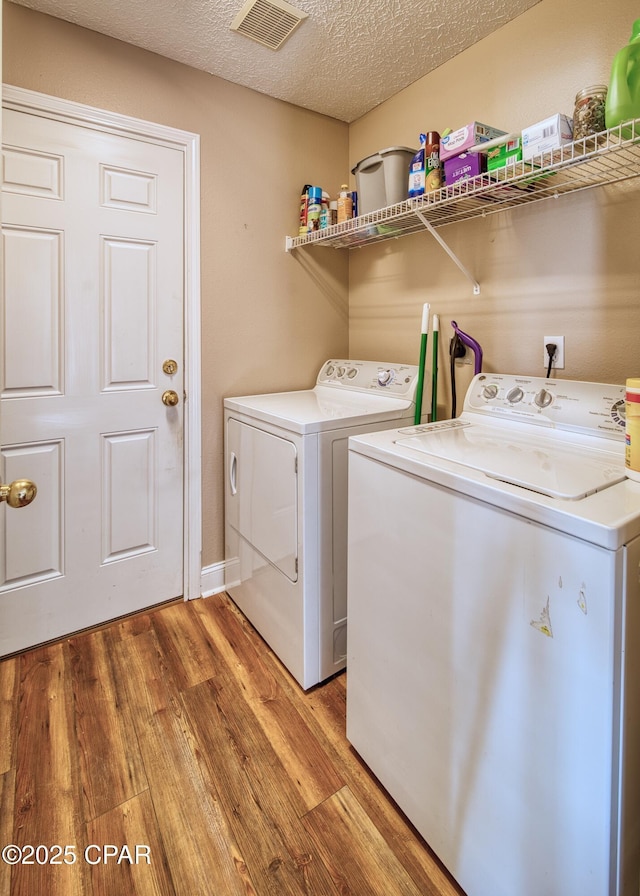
605,158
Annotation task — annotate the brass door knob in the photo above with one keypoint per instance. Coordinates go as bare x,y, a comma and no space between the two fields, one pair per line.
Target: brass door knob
170,398
18,493
170,367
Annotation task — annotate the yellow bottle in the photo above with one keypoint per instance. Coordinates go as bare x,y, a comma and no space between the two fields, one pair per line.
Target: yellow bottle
632,429
345,204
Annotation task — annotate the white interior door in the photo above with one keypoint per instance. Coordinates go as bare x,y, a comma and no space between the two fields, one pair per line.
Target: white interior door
93,308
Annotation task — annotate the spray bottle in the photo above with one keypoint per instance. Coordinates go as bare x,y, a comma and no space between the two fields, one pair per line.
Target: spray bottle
623,97
417,171
304,209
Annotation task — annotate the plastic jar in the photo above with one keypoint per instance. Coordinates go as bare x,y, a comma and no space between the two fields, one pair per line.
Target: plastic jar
588,114
632,429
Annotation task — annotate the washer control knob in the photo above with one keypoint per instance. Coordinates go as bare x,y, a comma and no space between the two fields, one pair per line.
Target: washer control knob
352,372
340,371
515,395
386,377
490,391
543,398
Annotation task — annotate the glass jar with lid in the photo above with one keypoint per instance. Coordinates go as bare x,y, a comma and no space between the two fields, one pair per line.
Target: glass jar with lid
588,115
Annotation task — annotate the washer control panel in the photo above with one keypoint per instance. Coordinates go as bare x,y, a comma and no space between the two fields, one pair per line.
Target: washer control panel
398,380
592,408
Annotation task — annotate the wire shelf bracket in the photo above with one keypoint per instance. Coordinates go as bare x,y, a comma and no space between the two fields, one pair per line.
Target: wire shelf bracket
454,258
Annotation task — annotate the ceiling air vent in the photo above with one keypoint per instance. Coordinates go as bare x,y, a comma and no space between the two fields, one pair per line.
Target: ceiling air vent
269,22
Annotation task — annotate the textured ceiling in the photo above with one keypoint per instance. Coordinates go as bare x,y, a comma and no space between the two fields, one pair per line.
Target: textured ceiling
346,58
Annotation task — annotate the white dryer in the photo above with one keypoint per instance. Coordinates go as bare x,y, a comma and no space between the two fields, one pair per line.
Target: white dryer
286,505
494,635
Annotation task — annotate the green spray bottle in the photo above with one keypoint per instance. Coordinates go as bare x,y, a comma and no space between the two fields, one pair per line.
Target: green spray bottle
623,97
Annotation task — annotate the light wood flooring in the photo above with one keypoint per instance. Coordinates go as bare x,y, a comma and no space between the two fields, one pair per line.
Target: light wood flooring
178,731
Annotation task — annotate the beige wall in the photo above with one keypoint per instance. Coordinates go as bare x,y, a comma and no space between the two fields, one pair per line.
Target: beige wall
568,267
269,319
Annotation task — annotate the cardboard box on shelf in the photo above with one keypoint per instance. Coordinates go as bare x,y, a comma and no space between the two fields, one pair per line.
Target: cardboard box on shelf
505,154
464,166
550,133
469,135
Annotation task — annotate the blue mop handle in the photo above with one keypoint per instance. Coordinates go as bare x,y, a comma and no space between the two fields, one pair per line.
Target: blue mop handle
423,358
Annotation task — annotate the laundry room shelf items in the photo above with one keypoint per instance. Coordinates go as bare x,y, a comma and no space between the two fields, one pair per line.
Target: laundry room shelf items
599,159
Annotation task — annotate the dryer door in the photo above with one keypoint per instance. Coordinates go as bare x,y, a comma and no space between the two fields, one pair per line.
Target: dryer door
262,493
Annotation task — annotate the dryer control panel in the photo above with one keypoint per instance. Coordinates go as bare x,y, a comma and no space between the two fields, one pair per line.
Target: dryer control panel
398,380
596,409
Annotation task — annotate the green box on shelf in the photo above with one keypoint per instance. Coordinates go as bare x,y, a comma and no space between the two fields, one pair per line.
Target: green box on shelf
505,154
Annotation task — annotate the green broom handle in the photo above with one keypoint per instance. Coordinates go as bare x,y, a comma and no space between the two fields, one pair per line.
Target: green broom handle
423,358
434,369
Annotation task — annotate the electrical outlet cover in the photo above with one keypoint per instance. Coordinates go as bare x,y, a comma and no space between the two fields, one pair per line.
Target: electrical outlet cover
558,361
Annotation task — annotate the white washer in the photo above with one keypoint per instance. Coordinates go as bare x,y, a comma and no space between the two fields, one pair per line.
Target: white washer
286,505
494,635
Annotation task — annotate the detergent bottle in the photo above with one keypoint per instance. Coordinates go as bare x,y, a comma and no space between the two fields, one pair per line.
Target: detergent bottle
623,97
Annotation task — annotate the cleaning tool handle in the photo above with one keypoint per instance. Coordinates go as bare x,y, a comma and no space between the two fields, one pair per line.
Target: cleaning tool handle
425,318
434,368
423,356
471,343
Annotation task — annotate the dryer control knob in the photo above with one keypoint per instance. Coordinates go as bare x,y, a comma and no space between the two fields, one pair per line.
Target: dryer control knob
515,395
543,398
386,377
490,391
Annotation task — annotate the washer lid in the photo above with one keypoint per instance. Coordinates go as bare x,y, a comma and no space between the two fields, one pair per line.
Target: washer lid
321,408
559,469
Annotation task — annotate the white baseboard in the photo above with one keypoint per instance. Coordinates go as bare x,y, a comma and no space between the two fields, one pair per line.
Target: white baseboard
218,576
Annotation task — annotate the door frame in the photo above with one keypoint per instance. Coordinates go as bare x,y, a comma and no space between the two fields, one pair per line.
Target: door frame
20,100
